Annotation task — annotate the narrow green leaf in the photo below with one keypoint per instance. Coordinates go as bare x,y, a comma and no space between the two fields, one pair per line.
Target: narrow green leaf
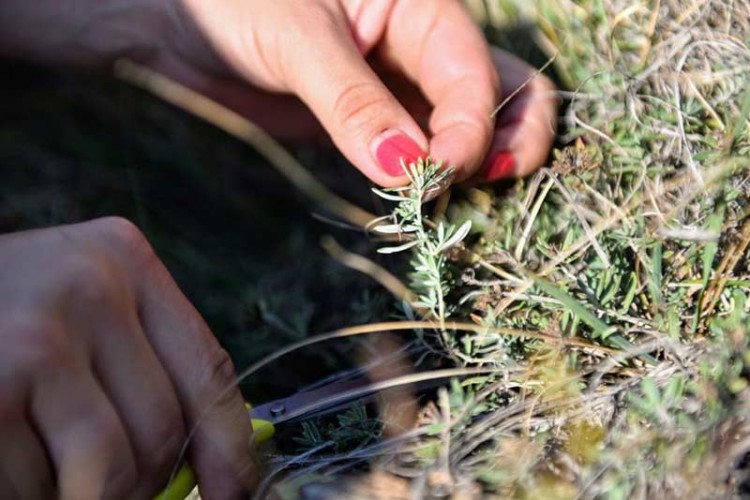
400,248
457,237
599,327
388,196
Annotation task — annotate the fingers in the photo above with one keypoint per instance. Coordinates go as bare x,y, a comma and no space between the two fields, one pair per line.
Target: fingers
281,115
23,464
25,471
526,125
204,378
102,354
83,434
364,119
143,396
438,46
199,370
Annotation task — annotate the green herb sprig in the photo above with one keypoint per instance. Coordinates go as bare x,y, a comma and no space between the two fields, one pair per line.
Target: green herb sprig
430,277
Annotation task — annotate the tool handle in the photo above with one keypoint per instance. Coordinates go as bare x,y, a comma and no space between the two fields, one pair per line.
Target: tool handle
184,481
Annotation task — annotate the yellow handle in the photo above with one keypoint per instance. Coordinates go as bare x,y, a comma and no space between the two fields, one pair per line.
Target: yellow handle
184,481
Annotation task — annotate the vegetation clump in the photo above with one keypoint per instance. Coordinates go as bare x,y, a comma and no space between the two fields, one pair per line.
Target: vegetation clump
635,239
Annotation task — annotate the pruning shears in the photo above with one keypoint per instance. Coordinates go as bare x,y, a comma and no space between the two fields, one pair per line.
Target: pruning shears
320,399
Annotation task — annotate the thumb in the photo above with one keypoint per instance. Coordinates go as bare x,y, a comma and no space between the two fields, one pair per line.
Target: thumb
365,121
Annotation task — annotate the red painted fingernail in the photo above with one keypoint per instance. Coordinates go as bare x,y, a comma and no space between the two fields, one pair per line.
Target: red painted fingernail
502,166
393,149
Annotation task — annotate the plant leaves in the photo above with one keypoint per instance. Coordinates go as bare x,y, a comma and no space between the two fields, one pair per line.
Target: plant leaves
400,248
456,237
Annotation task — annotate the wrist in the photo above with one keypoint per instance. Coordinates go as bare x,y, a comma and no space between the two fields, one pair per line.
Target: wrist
84,33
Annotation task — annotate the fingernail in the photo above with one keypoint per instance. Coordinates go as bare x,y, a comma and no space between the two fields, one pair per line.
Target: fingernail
395,148
502,166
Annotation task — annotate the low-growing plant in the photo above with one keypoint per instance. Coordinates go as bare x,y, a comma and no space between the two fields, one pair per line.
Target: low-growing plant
430,278
635,237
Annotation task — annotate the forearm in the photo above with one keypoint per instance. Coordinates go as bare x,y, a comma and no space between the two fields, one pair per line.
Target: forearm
84,33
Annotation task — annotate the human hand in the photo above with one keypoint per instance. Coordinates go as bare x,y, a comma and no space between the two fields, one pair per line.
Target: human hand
104,365
385,78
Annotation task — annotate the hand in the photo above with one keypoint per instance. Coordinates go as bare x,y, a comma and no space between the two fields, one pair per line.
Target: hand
376,74
104,365
385,78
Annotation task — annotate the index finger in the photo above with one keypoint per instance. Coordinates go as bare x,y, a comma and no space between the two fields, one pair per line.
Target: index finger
438,46
218,426
219,431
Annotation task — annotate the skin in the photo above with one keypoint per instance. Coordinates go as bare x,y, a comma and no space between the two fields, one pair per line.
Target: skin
422,68
105,365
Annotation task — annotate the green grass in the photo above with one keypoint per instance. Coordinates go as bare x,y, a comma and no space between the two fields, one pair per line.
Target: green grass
624,262
634,238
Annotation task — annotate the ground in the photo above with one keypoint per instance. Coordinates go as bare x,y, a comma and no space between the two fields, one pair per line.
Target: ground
608,294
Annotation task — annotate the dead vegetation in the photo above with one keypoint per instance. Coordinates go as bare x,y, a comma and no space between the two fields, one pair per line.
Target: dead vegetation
635,241
609,293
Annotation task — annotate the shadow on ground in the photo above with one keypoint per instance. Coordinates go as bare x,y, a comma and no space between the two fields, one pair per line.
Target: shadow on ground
241,243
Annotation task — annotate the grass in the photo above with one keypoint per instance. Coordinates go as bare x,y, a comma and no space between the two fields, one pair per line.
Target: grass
633,238
599,308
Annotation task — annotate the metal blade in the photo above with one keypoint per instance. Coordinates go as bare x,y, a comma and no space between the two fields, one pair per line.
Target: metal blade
313,402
